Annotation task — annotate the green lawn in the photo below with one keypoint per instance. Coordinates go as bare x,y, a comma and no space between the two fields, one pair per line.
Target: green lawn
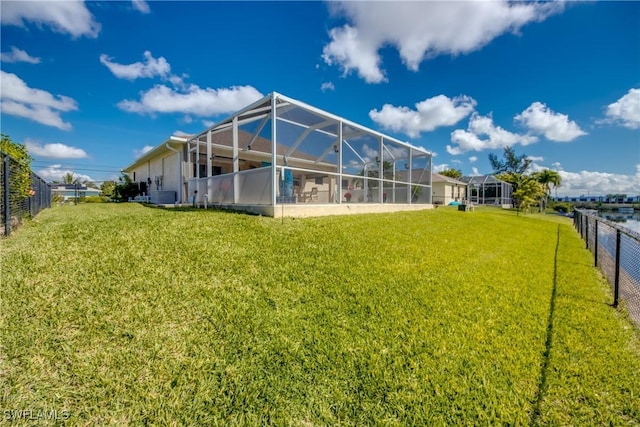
128,315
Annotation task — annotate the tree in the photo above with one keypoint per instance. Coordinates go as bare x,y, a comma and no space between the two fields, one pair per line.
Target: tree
125,188
528,192
547,177
512,163
20,178
452,173
68,178
108,188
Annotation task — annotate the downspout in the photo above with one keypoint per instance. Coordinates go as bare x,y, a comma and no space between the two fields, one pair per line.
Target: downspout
179,170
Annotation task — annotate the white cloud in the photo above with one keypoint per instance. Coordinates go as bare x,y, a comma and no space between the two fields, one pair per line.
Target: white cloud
496,137
473,159
598,183
139,152
626,110
181,133
70,16
422,30
554,126
456,161
18,99
327,86
352,52
18,55
54,151
591,182
428,115
208,123
141,6
56,173
474,171
192,100
150,67
440,168
535,158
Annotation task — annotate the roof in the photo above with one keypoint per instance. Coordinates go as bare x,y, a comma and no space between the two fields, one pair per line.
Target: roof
159,149
82,187
436,177
482,179
264,105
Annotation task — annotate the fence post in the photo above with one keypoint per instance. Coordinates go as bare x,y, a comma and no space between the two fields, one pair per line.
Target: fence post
595,249
7,201
586,233
616,282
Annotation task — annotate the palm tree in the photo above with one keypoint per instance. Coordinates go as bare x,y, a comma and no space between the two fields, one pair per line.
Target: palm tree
68,178
548,177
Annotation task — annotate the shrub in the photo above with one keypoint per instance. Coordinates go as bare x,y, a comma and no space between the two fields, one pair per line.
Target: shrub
563,207
94,199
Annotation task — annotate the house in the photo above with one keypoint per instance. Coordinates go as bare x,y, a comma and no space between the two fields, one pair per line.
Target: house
73,191
279,156
160,173
447,189
488,190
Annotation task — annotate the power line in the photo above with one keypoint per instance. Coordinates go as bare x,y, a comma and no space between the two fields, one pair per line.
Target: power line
50,162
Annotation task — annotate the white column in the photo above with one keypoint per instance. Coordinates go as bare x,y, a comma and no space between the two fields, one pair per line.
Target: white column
209,155
274,175
410,177
381,172
236,161
339,161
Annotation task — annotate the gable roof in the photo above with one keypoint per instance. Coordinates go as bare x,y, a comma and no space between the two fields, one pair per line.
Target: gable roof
436,177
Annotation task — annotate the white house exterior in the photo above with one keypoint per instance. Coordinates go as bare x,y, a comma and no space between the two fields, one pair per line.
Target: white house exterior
73,191
447,189
279,156
161,172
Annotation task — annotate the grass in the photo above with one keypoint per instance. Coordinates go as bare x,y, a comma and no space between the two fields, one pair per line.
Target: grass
128,315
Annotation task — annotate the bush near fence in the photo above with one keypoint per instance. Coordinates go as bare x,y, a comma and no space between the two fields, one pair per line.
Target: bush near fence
23,194
616,252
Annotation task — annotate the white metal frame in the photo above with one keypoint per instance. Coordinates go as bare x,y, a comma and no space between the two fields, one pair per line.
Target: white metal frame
272,107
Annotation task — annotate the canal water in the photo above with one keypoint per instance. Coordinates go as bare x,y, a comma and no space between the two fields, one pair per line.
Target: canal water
630,221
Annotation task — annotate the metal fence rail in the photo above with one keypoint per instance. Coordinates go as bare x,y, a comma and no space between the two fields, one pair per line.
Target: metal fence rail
616,251
23,194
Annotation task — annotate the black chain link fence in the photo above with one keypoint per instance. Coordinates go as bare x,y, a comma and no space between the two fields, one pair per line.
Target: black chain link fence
616,251
23,194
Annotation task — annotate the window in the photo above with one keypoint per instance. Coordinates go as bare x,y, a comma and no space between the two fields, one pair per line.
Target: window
134,176
216,170
320,180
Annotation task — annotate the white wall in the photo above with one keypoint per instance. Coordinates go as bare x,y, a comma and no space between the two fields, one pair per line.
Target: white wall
166,165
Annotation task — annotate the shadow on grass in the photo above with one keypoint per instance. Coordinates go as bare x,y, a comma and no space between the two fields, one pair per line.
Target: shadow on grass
542,384
198,209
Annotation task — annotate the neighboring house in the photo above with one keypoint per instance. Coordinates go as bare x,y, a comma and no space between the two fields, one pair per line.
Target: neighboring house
447,189
72,191
488,190
279,156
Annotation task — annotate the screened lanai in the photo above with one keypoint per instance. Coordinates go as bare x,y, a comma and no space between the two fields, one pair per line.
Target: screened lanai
488,190
282,153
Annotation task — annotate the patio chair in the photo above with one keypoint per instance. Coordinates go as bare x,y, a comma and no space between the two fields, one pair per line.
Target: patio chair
314,194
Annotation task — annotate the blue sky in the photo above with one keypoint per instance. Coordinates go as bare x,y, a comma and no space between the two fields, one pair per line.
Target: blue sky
87,86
